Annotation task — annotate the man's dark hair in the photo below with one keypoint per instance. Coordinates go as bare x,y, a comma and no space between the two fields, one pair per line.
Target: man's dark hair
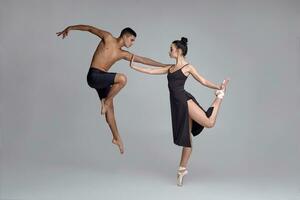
129,31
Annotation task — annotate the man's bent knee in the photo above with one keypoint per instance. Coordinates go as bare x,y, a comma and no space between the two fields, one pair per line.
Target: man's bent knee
122,79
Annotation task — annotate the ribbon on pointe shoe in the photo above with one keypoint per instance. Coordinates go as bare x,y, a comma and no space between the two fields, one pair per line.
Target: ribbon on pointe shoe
220,93
181,168
182,171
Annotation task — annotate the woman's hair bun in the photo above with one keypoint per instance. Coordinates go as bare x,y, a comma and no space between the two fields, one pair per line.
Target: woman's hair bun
184,40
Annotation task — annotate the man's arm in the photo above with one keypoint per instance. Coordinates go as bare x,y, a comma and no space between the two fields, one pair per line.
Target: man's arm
158,70
96,31
146,61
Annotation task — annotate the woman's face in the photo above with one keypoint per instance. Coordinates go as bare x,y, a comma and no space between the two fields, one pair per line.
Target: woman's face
173,51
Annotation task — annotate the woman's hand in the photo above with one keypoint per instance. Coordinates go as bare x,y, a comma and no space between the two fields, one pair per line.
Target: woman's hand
157,70
220,87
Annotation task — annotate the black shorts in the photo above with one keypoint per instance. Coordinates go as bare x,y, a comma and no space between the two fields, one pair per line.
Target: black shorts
101,81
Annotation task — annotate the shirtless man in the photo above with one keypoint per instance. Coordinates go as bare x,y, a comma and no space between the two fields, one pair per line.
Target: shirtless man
109,84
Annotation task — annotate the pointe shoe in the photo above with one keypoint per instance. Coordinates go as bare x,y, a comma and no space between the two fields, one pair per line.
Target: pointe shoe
220,93
182,171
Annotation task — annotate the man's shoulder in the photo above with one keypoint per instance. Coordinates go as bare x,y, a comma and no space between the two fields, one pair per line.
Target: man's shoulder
109,38
125,54
109,41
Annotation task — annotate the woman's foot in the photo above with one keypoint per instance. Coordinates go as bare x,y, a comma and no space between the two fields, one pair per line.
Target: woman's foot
220,93
119,143
182,171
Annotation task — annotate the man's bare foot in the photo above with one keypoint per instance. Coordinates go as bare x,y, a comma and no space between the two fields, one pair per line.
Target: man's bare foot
119,143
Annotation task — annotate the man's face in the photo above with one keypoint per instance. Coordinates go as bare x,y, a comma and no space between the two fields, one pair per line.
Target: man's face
129,40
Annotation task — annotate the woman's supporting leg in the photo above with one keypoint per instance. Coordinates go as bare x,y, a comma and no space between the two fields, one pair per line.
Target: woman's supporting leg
185,156
186,151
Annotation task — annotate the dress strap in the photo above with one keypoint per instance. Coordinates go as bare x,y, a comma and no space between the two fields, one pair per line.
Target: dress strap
177,69
185,65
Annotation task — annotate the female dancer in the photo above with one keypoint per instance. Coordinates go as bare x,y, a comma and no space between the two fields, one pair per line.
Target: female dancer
187,115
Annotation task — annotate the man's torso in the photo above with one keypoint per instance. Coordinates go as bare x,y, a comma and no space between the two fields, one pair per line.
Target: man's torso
106,54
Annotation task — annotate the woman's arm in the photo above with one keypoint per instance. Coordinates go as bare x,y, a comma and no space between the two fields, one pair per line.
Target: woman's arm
148,61
158,70
201,79
143,60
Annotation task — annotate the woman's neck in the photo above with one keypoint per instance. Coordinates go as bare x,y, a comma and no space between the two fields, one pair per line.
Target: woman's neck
180,61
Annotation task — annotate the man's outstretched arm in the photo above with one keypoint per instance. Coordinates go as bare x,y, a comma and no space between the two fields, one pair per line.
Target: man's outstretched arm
146,61
96,31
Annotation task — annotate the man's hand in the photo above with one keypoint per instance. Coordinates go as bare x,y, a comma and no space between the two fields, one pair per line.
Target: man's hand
64,33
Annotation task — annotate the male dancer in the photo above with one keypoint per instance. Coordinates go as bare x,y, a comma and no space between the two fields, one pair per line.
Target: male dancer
108,84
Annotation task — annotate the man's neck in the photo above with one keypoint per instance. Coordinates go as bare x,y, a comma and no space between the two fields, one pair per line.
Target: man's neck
120,42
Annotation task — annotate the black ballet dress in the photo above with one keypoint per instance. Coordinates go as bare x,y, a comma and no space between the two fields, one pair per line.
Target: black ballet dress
179,109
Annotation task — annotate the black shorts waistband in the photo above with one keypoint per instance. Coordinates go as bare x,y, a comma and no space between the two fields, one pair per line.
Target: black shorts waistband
98,70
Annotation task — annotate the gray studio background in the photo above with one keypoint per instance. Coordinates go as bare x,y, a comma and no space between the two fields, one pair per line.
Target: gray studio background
55,144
